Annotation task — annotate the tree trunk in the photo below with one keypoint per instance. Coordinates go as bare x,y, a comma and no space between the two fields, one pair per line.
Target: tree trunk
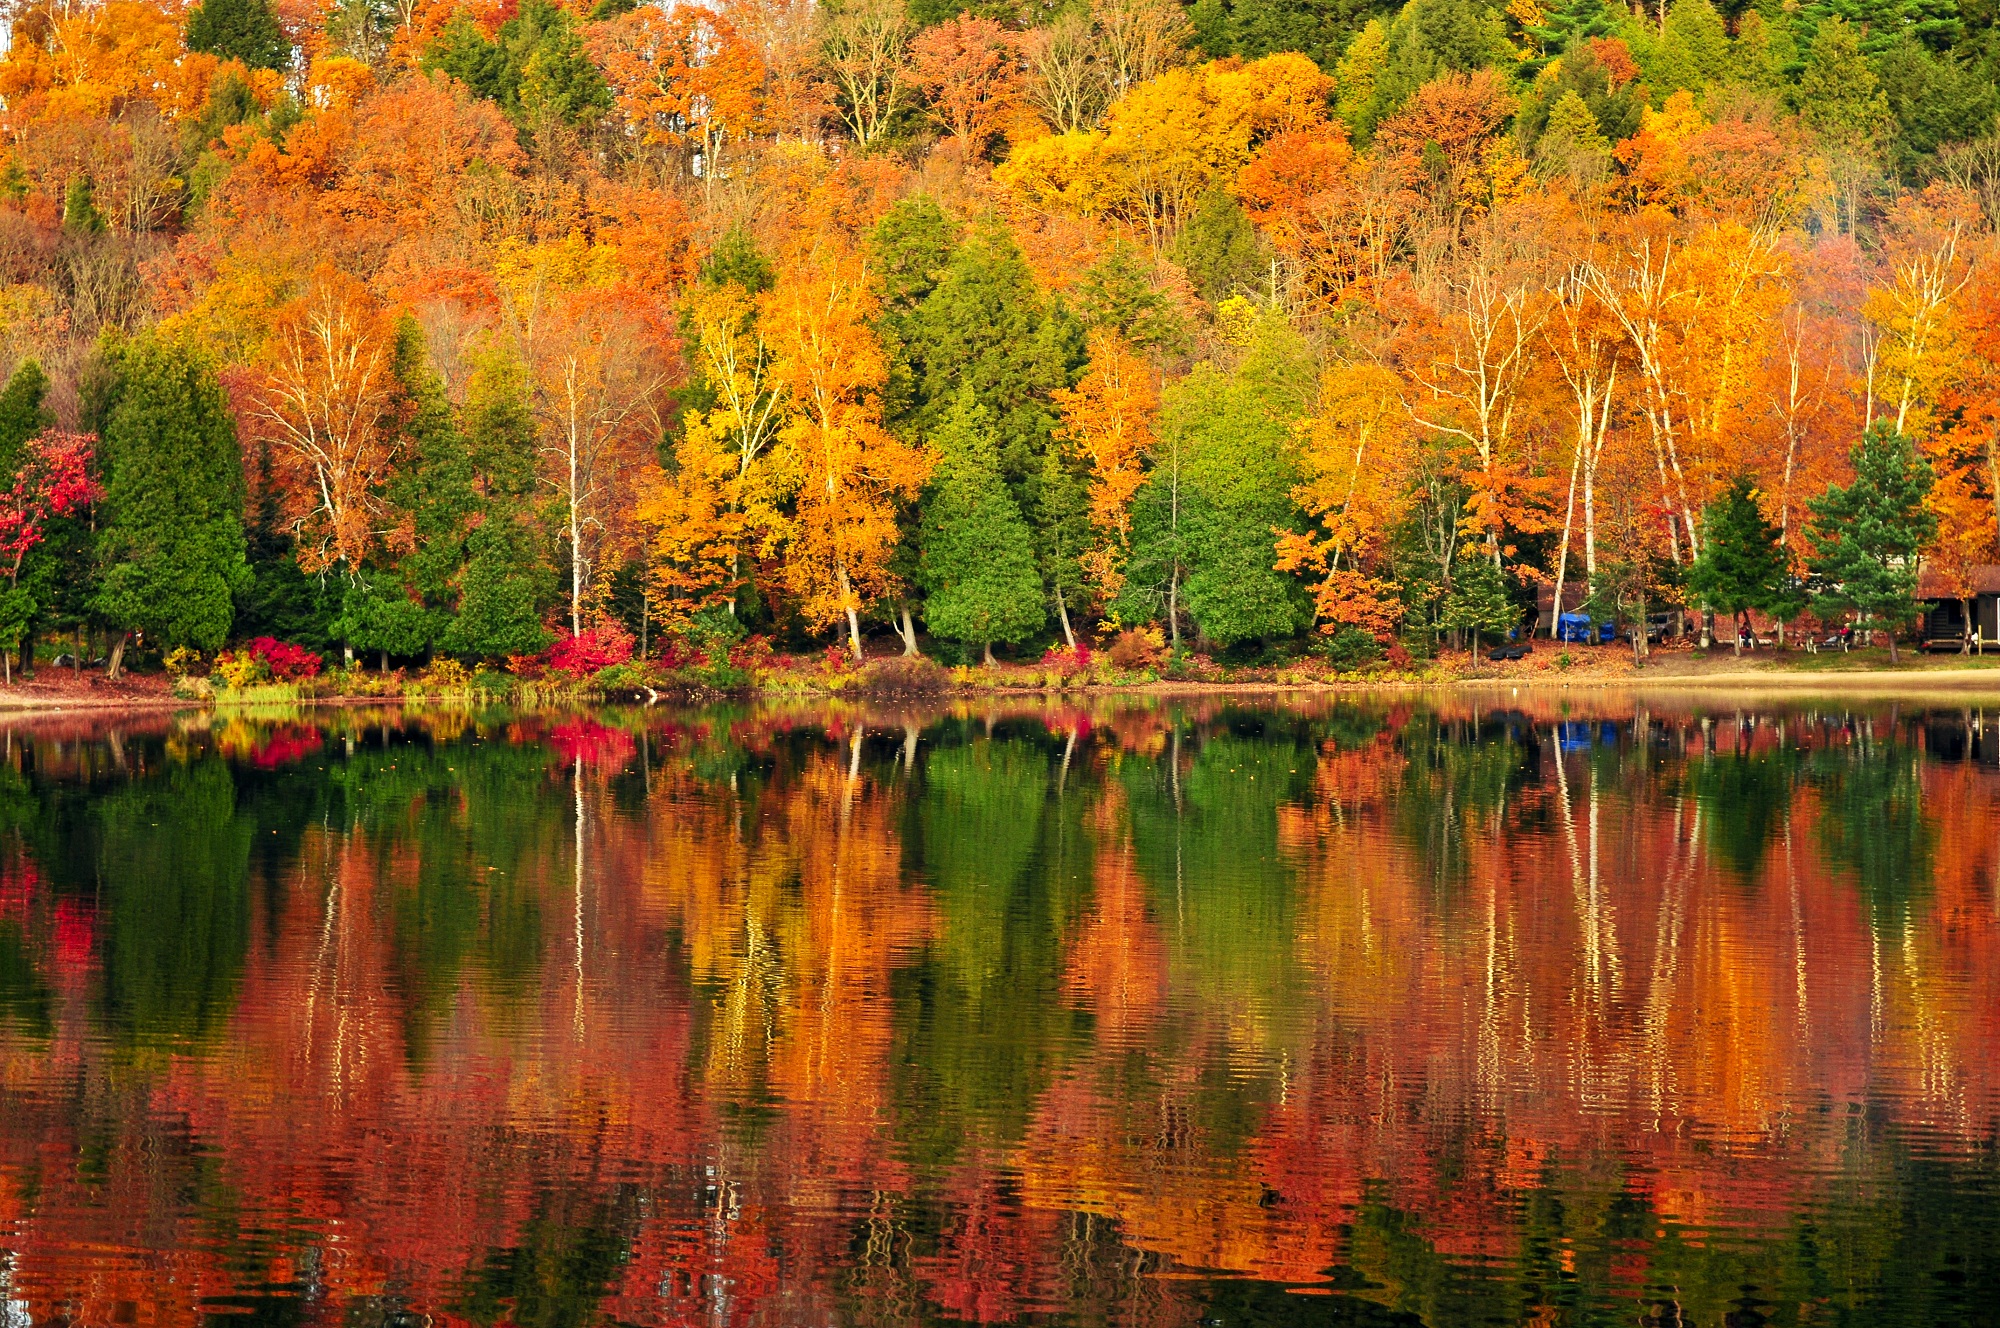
989,654
117,664
1892,644
1174,606
1562,558
853,615
1062,611
576,548
1965,640
385,661
909,633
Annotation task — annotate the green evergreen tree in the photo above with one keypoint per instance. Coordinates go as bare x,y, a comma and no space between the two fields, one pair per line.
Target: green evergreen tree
245,30
978,561
23,414
908,252
1478,602
508,585
1692,52
736,260
1572,144
1428,39
377,614
1741,565
170,533
1867,536
1838,94
1320,29
986,327
1359,70
1935,100
1222,253
1615,111
1117,292
535,67
1764,52
1062,533
80,214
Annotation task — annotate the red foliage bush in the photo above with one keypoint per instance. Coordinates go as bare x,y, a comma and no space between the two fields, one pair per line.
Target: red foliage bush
593,648
1397,657
1067,661
285,661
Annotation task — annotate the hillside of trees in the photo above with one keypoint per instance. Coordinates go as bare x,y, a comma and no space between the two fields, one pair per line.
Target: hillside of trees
467,328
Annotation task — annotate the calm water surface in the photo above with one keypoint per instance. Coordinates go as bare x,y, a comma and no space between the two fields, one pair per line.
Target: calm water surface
1368,1012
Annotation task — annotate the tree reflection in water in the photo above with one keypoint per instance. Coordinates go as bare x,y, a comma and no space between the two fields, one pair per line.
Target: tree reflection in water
1140,1011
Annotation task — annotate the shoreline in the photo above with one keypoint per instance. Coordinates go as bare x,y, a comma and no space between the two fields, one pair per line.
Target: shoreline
1885,684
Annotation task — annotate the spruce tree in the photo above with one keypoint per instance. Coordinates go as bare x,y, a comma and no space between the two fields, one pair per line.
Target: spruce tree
1741,565
1867,536
986,327
508,584
170,537
978,561
1478,602
1221,252
245,30
23,414
1693,51
1838,94
376,614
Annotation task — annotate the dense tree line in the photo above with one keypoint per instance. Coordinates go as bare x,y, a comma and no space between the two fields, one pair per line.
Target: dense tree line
466,328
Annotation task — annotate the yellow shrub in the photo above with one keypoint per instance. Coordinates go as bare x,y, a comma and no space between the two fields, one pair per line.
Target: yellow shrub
446,675
239,668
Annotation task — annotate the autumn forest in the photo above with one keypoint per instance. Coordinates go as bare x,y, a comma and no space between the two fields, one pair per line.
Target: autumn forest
484,330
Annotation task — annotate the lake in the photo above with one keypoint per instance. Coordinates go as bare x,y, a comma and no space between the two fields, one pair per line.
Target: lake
1457,1009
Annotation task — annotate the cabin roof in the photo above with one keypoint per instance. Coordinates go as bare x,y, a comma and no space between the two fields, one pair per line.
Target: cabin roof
1980,579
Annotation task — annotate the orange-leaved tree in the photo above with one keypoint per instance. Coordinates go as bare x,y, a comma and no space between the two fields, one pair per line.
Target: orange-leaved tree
681,79
844,471
1353,457
321,397
1108,419
971,71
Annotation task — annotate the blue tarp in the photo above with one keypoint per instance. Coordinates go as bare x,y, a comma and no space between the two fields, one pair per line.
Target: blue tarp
1578,628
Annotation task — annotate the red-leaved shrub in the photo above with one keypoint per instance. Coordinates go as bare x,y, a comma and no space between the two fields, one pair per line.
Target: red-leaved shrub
591,649
285,661
1067,661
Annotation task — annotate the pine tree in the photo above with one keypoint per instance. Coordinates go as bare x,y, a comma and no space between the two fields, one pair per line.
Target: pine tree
1693,51
985,327
1221,252
170,537
508,584
1741,566
1478,602
80,214
1838,94
1359,70
243,30
1572,144
908,252
376,614
23,414
1867,536
1062,534
978,561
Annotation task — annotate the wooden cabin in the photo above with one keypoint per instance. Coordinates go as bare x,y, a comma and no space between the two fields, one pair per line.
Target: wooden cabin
1954,613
